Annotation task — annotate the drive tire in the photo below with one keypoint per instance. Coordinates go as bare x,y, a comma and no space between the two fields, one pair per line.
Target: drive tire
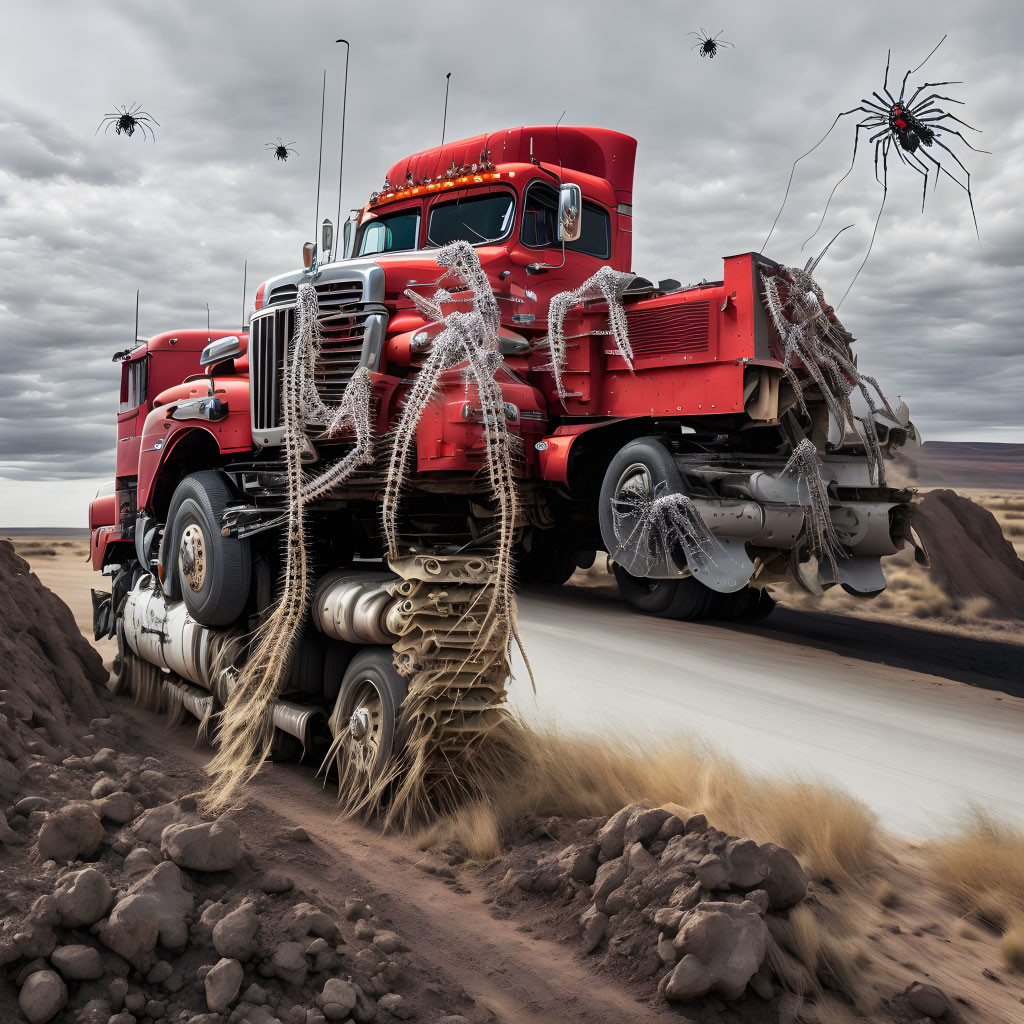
216,595
371,683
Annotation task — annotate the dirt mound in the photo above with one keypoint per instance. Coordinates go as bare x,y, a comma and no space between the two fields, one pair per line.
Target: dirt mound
54,677
969,555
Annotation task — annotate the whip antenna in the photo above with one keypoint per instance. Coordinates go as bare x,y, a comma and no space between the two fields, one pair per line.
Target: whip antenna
320,160
444,123
135,341
207,323
245,277
341,155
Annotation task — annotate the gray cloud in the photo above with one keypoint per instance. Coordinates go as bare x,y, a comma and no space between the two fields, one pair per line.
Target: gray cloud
87,219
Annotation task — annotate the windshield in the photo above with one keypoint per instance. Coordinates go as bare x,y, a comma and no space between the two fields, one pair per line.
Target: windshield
474,219
390,233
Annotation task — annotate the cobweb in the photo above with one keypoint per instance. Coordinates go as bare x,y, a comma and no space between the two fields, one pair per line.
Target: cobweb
245,730
813,337
606,284
806,466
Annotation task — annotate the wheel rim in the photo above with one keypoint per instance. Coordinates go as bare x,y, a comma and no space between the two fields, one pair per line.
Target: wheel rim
366,729
633,490
192,557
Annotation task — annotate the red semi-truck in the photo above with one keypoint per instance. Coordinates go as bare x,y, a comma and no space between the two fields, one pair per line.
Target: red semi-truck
707,408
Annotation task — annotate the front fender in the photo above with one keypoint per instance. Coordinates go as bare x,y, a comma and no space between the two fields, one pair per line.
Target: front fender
162,434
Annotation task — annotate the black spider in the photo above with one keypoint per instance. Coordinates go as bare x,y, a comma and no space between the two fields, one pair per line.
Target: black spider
708,43
909,127
280,150
125,122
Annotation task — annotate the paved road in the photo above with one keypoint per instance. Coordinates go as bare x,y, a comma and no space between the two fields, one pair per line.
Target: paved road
915,723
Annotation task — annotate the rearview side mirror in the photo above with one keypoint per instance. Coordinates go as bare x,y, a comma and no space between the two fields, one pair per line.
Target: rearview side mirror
219,350
570,212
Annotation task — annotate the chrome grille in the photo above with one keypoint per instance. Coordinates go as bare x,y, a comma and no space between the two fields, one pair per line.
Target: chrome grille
343,323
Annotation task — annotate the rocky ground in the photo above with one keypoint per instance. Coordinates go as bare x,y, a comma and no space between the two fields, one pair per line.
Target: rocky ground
122,905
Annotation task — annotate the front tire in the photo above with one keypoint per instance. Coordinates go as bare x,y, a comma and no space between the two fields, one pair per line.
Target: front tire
211,571
683,598
366,713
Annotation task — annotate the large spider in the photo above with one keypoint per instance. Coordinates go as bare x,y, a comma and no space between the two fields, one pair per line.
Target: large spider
126,120
282,151
909,127
707,43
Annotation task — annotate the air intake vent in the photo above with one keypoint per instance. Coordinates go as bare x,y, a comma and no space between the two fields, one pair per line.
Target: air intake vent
669,329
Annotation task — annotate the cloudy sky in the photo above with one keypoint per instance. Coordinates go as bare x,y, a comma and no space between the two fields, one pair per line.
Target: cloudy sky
87,219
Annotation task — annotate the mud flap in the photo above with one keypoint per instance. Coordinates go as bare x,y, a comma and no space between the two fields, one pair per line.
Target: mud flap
862,576
728,567
102,615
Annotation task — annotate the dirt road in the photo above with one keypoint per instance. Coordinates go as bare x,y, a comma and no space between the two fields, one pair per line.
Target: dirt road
916,724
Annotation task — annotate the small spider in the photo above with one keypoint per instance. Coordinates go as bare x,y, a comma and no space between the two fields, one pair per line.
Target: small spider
280,150
707,43
125,122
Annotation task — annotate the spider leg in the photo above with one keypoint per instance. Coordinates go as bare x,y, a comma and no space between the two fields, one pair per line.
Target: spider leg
885,191
965,187
912,160
953,131
888,60
934,115
856,140
922,64
929,85
792,170
930,99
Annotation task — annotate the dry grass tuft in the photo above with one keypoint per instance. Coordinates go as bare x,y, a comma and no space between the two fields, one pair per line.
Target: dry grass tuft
1012,946
829,1011
981,867
573,776
805,936
974,608
966,930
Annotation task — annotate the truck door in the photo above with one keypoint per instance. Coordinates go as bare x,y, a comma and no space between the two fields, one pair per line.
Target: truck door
131,412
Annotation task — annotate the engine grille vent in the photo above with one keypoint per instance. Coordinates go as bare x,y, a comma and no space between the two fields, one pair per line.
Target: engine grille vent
343,323
668,330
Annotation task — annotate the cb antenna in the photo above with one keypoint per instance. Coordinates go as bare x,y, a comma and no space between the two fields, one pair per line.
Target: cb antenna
444,123
320,160
558,146
135,340
245,276
341,155
207,323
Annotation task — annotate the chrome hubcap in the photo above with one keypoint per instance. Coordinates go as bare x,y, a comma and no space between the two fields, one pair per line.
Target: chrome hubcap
366,729
192,557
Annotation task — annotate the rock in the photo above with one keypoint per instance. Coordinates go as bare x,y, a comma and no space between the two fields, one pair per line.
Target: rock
786,883
256,995
223,983
712,872
689,979
609,877
643,826
365,930
27,804
72,832
119,808
139,861
672,826
135,1001
77,963
927,999
42,996
546,879
583,864
666,951
118,989
105,760
152,779
305,919
207,846
149,827
611,838
695,823
289,963
389,942
83,897
299,835
274,882
594,923
746,866
340,996
155,1009
159,973
104,787
154,908
37,929
395,1005
357,910
728,940
39,964
129,1018
96,1011
234,935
